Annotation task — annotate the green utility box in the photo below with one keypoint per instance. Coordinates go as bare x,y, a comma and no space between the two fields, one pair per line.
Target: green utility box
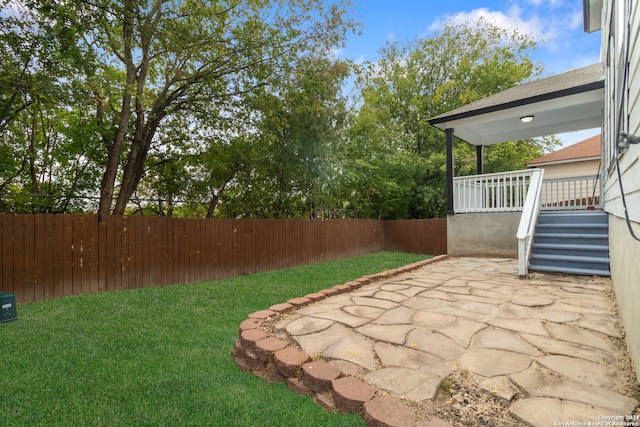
8,310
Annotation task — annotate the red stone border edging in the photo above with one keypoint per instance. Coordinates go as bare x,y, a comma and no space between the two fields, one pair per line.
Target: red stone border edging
277,360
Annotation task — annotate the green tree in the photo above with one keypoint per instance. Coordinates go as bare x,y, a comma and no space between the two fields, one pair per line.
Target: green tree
47,140
148,61
179,55
288,164
420,79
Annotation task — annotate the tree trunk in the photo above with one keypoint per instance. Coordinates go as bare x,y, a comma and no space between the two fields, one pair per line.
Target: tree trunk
214,201
107,184
115,148
145,128
134,168
33,174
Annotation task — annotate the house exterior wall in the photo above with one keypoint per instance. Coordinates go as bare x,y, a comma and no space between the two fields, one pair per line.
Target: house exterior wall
570,169
621,57
625,272
483,234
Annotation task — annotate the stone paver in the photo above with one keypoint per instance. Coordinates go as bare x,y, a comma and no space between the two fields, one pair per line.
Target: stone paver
537,382
350,393
462,331
434,343
385,412
396,334
365,311
579,335
606,325
342,317
414,384
396,316
288,361
355,349
308,325
501,387
318,375
549,346
555,346
318,342
578,369
530,326
393,355
491,363
544,411
499,339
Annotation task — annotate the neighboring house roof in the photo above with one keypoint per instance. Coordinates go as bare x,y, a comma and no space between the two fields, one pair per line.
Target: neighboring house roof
589,149
561,103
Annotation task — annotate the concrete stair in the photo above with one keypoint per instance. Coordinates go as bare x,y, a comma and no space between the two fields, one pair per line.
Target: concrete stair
575,242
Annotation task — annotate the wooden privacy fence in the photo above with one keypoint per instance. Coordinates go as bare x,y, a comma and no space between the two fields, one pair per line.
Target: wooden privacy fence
416,236
50,256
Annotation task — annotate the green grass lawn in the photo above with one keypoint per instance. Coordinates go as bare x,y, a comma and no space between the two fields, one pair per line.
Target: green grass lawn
160,356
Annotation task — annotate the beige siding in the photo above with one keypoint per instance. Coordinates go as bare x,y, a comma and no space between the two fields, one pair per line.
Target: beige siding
624,250
625,271
573,169
630,161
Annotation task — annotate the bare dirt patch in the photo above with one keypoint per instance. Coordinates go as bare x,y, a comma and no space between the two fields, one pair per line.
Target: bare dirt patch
462,402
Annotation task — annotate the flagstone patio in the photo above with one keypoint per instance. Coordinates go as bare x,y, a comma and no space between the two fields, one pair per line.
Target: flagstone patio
460,341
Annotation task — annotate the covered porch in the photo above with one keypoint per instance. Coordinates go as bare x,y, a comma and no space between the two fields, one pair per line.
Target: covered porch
496,214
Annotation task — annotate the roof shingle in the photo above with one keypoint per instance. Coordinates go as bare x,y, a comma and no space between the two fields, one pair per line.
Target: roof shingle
574,81
589,148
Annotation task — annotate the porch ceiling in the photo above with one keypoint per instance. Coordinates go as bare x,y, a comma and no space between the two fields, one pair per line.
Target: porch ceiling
566,102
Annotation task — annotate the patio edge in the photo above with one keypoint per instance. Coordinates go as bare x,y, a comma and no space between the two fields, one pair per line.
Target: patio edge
277,360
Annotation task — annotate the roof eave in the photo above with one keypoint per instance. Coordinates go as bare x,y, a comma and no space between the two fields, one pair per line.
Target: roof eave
518,103
566,102
592,13
558,162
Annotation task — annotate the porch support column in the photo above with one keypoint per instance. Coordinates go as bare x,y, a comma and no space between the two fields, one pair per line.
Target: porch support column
480,159
449,136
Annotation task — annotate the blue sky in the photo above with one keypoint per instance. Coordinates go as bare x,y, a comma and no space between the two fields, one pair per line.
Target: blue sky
556,24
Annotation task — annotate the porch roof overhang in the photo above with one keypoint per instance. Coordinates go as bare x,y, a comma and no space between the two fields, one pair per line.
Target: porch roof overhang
592,13
562,103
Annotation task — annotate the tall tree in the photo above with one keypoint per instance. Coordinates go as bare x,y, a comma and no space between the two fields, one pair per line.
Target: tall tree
288,162
47,139
161,57
302,124
420,79
275,159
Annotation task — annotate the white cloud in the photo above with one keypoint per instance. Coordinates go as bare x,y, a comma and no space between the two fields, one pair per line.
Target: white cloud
13,8
548,21
336,53
510,19
540,3
577,20
359,60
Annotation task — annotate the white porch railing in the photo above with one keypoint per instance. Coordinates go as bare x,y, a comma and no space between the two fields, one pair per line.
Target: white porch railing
497,192
528,220
524,191
575,193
